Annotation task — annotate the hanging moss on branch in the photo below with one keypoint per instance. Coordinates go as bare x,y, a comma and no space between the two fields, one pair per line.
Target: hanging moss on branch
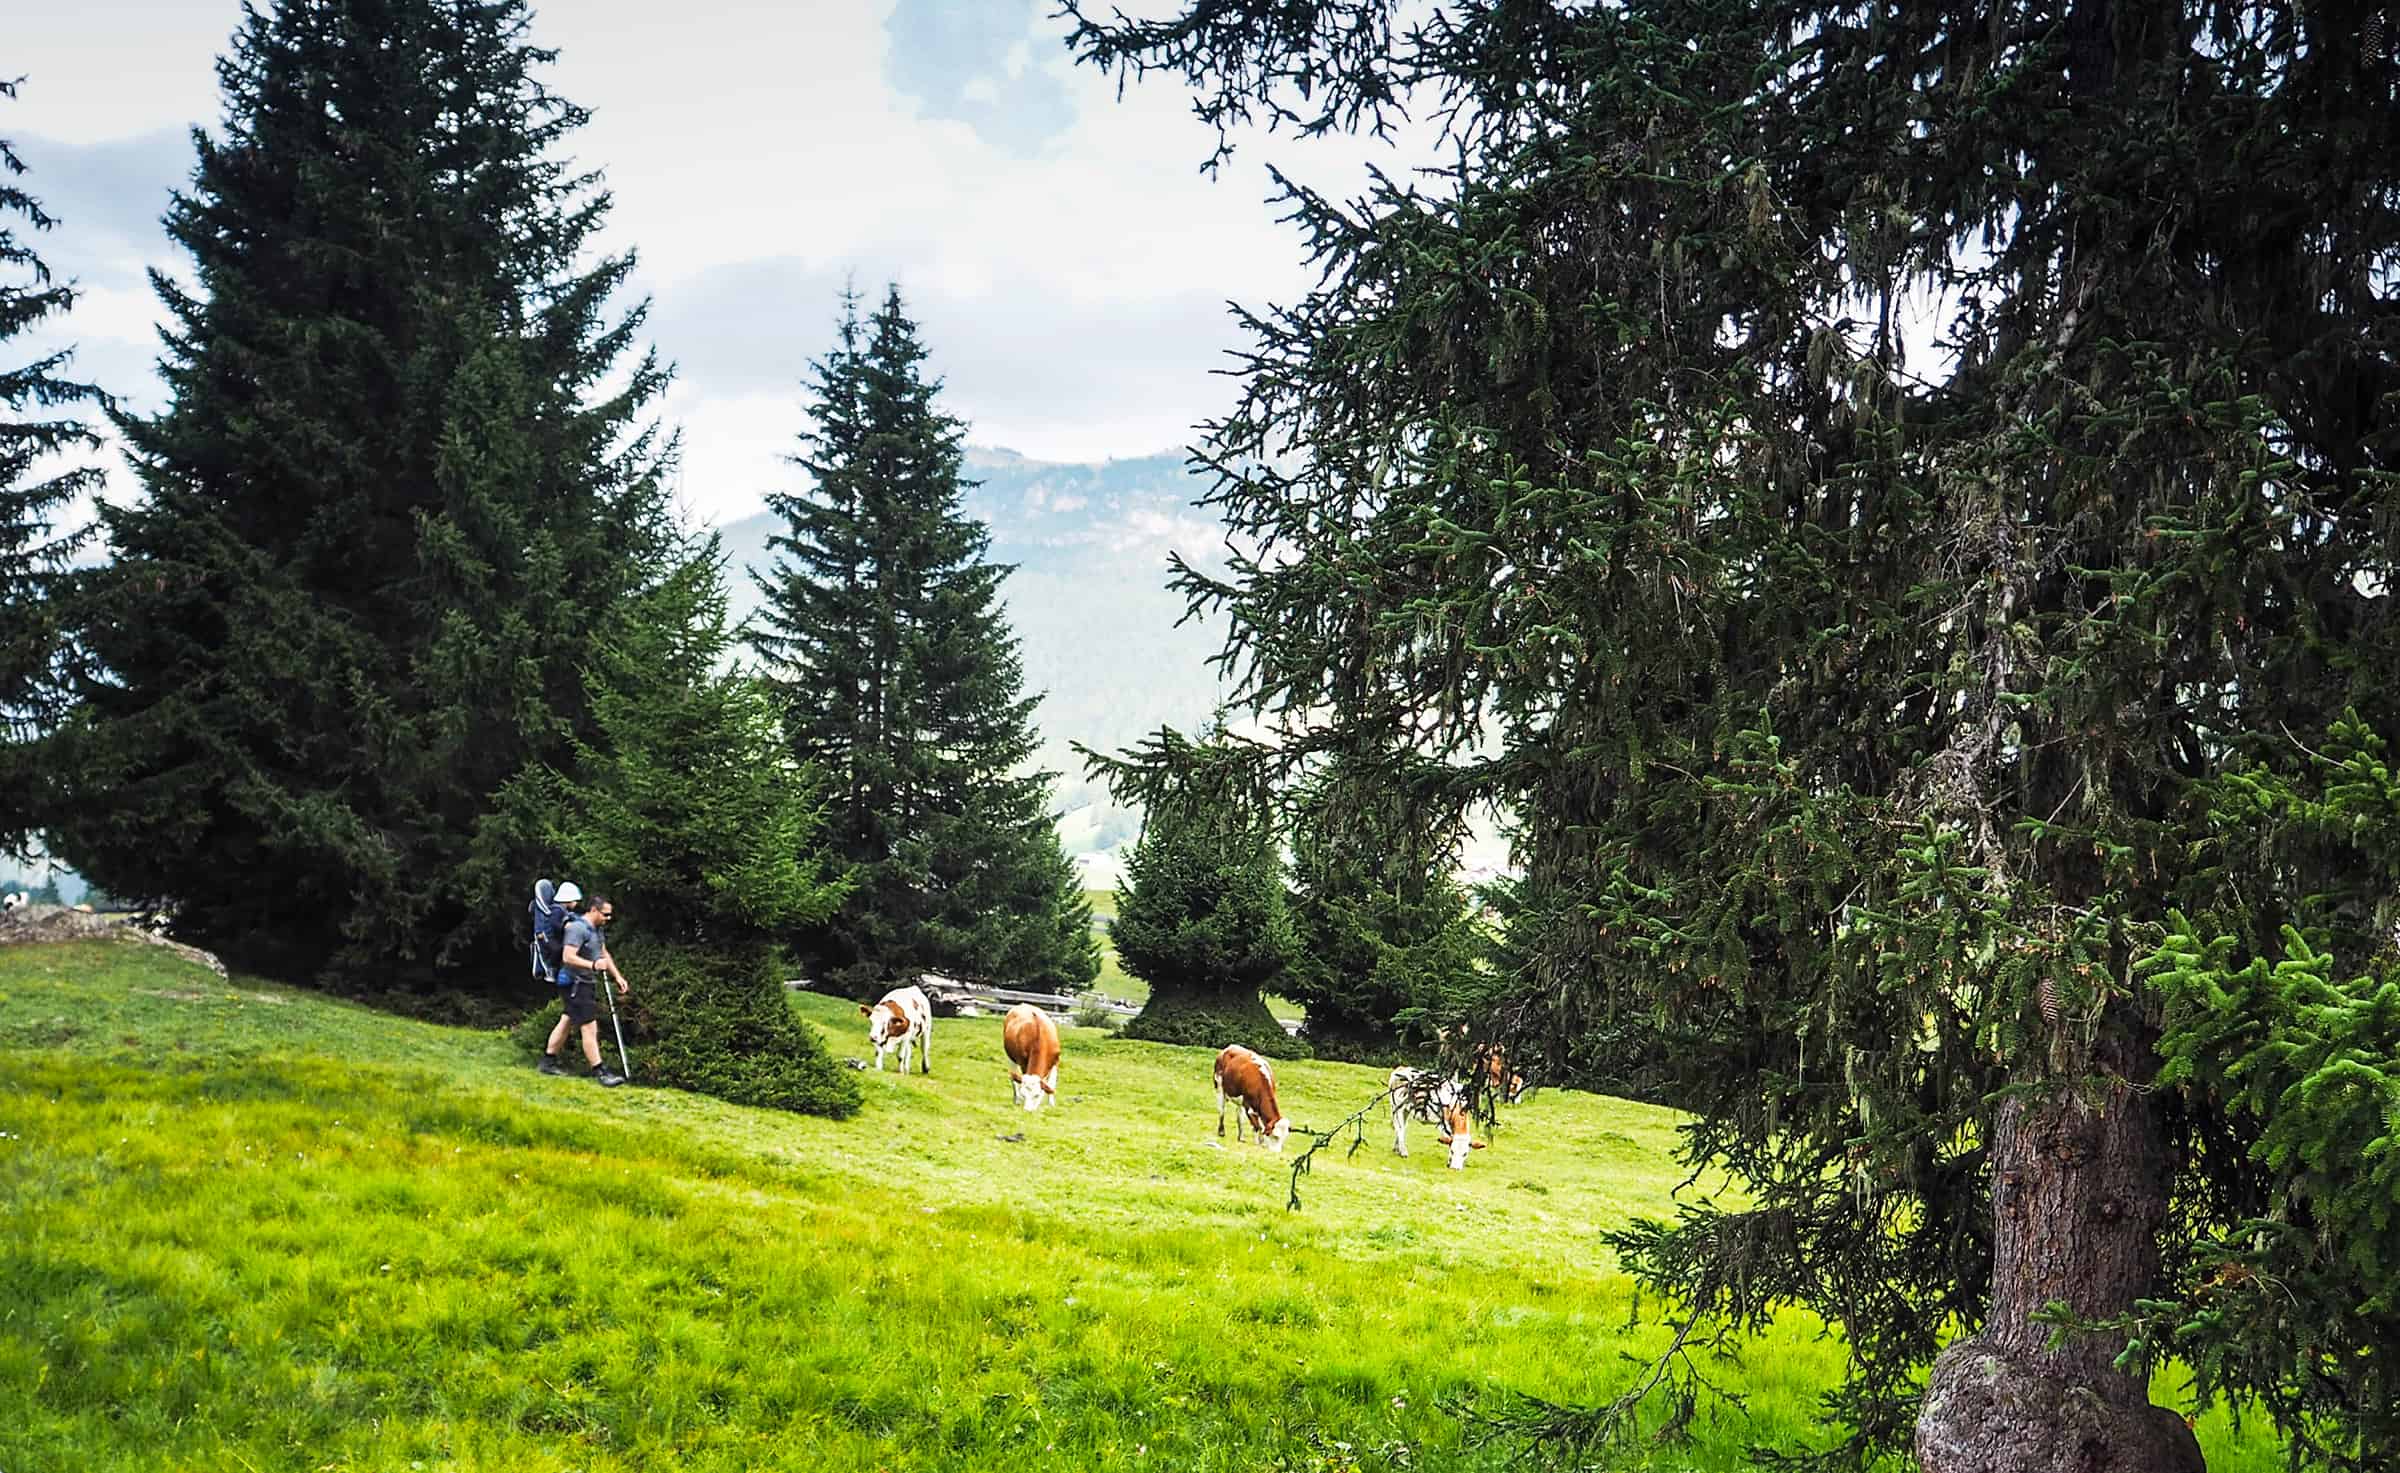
1861,703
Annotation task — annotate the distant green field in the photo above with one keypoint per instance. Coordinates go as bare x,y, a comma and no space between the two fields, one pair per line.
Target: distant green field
248,1228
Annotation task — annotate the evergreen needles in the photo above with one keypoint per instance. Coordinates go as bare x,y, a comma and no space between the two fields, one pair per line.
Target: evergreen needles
885,639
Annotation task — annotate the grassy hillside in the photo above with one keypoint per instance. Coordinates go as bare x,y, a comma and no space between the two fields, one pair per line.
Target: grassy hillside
246,1228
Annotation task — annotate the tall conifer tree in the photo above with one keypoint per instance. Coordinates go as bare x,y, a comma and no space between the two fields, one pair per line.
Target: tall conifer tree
1202,916
1381,925
39,478
885,635
1862,704
389,503
691,814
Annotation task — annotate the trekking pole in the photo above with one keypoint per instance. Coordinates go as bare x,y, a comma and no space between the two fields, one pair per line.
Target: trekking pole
608,989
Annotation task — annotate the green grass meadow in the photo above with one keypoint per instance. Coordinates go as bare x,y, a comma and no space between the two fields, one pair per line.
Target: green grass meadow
243,1227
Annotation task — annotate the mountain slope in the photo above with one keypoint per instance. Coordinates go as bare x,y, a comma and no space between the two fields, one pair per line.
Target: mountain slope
251,1227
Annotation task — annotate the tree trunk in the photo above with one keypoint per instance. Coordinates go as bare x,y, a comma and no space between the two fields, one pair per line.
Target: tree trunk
2079,1194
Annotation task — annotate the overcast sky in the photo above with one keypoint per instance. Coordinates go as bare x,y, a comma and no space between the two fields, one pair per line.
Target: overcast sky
1067,263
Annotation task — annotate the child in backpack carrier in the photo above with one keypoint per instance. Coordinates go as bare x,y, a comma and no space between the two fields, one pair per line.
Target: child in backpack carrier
551,910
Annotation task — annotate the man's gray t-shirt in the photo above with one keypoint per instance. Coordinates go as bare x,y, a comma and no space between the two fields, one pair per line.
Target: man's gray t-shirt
589,942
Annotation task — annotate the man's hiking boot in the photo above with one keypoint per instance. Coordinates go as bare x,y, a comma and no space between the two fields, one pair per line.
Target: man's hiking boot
606,1077
551,1065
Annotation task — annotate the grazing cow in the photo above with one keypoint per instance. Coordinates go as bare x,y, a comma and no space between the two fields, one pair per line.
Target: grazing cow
1244,1078
1032,1043
1505,1083
1421,1094
1486,1062
903,1020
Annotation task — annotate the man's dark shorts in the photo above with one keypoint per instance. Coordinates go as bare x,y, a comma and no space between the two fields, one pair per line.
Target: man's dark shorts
581,1002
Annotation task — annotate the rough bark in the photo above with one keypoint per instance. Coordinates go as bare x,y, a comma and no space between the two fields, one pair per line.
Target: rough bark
2079,1193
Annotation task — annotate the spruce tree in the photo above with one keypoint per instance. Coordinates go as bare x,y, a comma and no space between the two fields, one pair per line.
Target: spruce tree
1856,701
43,467
688,811
400,484
1382,929
2282,1006
884,634
1202,916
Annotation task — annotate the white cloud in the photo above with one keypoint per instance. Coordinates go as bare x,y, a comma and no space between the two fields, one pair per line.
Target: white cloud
119,313
733,449
1071,287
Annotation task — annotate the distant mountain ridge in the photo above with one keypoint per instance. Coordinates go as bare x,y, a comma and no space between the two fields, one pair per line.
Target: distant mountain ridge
1102,636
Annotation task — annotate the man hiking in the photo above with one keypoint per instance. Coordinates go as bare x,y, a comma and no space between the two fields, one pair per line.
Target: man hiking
585,960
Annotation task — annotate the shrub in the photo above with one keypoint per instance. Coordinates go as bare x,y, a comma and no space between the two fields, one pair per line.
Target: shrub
532,1032
716,1022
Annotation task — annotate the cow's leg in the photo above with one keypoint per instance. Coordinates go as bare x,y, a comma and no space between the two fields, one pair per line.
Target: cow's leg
879,1048
1221,1113
1400,1129
925,1045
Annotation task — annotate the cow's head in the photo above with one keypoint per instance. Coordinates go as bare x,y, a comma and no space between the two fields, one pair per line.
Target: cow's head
1033,1090
885,1022
1458,1133
1271,1136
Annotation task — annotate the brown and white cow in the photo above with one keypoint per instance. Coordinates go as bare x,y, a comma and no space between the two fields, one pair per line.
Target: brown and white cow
1504,1082
1245,1079
1032,1043
1421,1094
1485,1062
903,1020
